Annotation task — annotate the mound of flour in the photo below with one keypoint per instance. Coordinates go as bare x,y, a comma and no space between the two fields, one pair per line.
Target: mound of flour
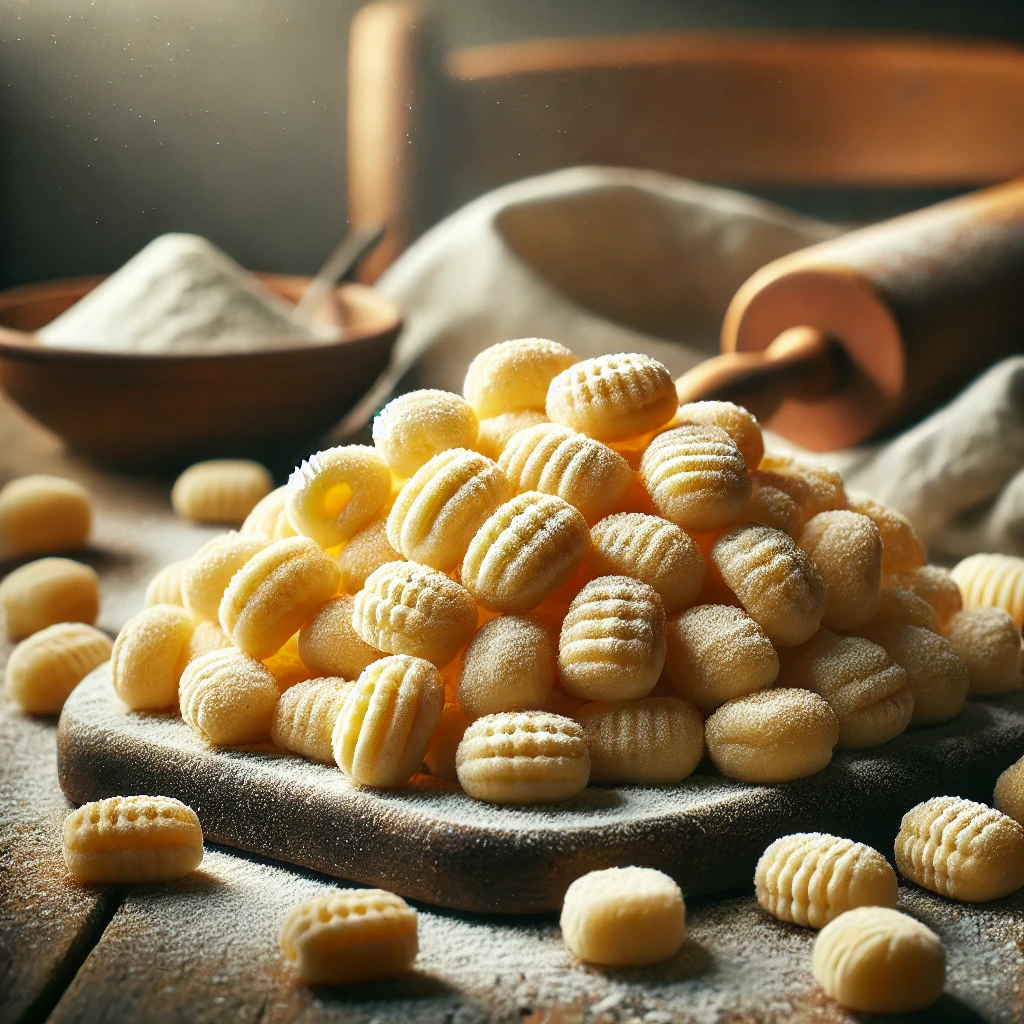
180,294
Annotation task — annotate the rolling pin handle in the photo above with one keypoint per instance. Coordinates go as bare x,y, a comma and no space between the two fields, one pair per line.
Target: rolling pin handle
802,363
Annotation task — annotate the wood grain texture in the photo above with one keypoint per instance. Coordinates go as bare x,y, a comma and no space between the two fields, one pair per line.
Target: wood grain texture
46,919
205,950
430,841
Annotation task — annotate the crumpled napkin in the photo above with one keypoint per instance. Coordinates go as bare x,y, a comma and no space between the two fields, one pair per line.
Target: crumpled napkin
608,260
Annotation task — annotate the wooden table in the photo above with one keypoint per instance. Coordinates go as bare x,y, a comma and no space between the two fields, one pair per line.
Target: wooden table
205,948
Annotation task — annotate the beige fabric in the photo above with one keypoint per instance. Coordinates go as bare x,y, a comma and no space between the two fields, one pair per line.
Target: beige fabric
608,260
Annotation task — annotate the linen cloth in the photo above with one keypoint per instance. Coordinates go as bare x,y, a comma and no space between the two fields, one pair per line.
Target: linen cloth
608,260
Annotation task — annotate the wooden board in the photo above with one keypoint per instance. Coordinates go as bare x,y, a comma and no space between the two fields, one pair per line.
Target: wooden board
204,950
431,842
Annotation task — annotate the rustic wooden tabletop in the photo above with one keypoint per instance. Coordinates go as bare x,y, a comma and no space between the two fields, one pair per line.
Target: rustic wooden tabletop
205,948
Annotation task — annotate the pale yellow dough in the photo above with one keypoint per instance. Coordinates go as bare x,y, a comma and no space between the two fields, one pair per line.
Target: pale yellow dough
867,691
624,917
165,586
988,640
878,960
208,572
961,849
716,653
523,757
810,878
524,552
612,643
268,518
129,840
814,488
772,736
696,477
305,716
935,585
902,550
846,548
275,593
47,591
329,644
653,741
496,431
556,460
413,428
778,585
508,666
43,514
992,581
1009,792
149,655
613,397
737,422
406,608
333,494
367,551
936,674
651,550
345,936
514,375
438,512
386,722
220,491
228,697
44,669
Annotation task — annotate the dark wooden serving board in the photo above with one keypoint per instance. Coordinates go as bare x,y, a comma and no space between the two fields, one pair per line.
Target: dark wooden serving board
431,842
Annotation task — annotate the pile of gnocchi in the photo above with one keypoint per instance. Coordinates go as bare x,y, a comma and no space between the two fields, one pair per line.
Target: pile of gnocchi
561,577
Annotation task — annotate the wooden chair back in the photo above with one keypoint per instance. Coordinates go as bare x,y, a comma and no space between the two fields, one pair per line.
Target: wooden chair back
427,133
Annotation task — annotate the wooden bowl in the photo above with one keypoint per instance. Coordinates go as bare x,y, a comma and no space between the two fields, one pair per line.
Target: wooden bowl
161,410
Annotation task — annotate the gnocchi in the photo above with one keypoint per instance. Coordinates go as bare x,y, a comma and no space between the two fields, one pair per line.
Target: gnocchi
220,490
329,645
206,575
411,429
43,515
149,656
514,376
305,716
47,591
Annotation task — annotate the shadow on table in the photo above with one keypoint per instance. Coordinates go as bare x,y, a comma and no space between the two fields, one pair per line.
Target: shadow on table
948,1010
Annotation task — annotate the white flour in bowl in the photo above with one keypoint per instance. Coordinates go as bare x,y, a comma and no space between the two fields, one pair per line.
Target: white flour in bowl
180,295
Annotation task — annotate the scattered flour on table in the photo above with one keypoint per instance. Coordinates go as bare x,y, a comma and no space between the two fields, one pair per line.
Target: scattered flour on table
180,295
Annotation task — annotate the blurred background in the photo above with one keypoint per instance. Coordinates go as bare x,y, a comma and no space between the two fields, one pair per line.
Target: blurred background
122,119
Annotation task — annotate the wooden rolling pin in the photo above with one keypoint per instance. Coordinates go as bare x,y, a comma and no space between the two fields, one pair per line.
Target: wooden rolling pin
871,330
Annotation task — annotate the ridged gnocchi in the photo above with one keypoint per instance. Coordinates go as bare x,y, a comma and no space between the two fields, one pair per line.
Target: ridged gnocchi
992,581
524,552
129,840
878,960
555,460
902,550
386,722
778,585
438,512
350,935
275,593
866,690
44,669
220,490
650,550
406,608
305,716
367,551
228,697
496,431
613,397
612,643
696,477
988,641
814,488
165,586
737,422
961,849
652,741
810,878
523,757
